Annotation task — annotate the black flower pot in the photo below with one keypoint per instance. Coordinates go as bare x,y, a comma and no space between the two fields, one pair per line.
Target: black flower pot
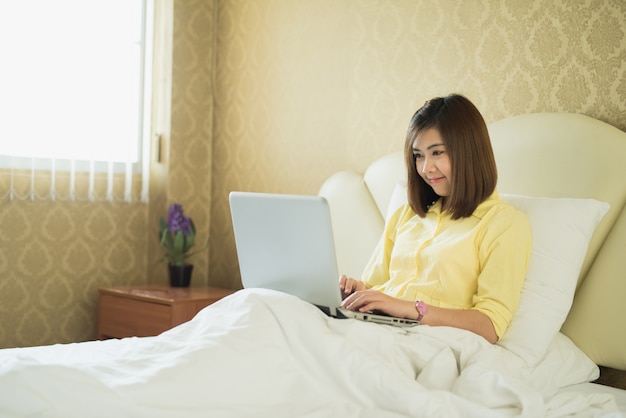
180,276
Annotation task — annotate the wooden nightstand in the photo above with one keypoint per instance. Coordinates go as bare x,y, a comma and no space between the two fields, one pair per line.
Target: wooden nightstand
139,311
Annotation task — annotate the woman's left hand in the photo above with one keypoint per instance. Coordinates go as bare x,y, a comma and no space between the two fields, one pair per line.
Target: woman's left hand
373,300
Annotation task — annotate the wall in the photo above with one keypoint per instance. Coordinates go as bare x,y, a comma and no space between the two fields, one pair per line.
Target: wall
185,122
53,257
311,87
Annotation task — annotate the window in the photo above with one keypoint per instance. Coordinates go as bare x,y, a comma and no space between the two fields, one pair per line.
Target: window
72,88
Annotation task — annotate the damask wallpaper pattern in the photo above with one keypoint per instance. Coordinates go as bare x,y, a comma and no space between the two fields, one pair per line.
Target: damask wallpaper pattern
308,88
54,256
276,95
189,160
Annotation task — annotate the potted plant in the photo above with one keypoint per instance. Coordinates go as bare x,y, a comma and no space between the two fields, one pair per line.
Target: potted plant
177,236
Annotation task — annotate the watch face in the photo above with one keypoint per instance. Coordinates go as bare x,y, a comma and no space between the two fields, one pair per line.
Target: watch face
422,307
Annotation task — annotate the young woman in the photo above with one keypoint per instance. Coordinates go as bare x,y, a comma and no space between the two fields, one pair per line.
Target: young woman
456,254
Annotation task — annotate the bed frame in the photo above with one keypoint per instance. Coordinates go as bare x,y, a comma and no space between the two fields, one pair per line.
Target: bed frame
542,154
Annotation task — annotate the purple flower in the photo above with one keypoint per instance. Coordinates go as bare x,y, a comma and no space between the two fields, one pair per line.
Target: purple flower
177,235
177,221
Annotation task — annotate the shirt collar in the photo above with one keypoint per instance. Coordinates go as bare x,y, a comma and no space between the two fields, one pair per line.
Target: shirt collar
480,210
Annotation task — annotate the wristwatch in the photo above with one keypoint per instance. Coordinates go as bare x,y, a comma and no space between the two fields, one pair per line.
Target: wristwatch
422,309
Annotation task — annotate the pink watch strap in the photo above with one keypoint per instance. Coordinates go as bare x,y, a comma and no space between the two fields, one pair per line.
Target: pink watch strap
422,309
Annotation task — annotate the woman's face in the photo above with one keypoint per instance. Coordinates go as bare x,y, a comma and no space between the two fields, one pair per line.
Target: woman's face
432,161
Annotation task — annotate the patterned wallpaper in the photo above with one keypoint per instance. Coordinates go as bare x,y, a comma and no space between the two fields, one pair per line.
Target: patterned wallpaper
188,164
308,88
53,258
276,95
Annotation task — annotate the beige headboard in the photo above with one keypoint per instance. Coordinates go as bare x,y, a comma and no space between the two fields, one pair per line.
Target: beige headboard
542,154
571,155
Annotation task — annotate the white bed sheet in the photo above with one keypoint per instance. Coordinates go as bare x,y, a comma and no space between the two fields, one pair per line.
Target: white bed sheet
260,353
586,389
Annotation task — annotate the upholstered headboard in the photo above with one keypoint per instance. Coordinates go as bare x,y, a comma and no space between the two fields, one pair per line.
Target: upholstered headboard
571,155
544,154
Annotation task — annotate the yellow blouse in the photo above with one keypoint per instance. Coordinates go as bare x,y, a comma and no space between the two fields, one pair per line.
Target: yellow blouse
477,262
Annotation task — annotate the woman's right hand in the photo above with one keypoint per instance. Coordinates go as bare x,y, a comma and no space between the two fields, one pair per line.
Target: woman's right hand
348,285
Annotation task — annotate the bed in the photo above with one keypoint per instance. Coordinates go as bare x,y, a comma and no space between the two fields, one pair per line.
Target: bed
262,353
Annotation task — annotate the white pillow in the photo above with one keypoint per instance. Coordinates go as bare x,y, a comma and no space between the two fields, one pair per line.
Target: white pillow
398,198
564,364
561,230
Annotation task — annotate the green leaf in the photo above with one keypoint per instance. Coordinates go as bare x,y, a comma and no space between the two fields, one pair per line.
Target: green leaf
176,246
179,242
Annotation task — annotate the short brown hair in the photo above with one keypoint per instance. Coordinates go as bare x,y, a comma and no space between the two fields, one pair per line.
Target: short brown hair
466,138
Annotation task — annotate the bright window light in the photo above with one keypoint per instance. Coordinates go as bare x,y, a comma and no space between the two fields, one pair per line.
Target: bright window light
71,79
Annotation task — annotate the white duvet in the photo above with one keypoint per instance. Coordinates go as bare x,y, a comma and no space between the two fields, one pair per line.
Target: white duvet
261,353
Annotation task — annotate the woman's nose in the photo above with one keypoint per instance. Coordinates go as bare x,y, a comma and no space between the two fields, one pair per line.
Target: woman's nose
426,165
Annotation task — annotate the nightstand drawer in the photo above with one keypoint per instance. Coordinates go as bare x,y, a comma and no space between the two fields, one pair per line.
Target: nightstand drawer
128,317
141,311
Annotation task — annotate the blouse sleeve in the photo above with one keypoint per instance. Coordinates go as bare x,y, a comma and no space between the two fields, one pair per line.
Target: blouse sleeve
504,254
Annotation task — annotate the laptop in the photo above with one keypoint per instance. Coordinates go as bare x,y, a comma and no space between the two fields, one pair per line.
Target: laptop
285,243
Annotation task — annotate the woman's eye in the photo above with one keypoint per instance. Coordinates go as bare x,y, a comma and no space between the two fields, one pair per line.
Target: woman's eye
417,156
438,152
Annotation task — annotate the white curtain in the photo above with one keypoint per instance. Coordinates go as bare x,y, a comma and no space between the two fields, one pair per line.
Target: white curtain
61,180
